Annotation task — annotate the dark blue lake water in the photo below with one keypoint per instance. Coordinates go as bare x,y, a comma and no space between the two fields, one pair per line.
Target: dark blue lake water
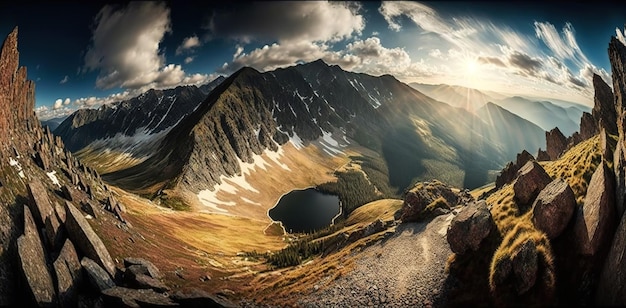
305,210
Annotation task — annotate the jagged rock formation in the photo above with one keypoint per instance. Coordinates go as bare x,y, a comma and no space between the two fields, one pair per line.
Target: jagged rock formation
423,195
556,143
509,173
612,281
604,108
39,256
588,126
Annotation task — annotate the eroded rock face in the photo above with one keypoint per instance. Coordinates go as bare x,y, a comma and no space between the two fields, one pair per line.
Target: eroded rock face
604,108
556,143
470,227
596,221
83,236
32,263
588,126
531,179
553,208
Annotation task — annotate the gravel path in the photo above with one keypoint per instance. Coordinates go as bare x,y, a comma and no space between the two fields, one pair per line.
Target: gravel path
406,269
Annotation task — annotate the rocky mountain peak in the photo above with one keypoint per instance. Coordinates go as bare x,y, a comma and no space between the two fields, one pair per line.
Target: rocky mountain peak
16,93
604,108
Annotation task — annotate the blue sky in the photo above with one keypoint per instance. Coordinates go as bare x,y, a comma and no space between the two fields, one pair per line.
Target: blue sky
85,55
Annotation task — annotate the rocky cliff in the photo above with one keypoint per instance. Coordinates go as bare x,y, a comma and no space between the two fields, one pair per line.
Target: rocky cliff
49,253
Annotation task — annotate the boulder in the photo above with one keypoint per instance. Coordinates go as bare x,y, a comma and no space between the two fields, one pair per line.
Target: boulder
83,236
32,264
530,181
60,212
596,221
468,229
40,201
125,297
556,143
152,270
195,298
421,195
553,208
69,275
89,208
147,282
99,278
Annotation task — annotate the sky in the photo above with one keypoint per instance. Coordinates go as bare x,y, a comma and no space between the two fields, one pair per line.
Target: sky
86,55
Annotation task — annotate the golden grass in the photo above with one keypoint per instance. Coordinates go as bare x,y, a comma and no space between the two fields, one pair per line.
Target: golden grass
380,209
577,166
477,192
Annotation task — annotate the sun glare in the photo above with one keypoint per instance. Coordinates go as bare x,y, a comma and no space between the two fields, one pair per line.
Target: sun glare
471,67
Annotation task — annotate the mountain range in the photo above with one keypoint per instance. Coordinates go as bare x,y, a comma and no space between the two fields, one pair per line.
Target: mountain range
251,113
545,113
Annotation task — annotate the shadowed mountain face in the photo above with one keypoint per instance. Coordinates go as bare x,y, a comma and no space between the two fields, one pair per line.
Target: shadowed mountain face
252,112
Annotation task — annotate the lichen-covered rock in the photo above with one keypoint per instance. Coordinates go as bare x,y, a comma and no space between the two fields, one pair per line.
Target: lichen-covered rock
553,208
470,227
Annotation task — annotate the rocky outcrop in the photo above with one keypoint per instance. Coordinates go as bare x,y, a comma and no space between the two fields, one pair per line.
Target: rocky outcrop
470,227
553,208
83,236
150,269
604,107
32,264
509,173
542,155
531,179
619,167
588,126
556,143
419,197
596,220
41,205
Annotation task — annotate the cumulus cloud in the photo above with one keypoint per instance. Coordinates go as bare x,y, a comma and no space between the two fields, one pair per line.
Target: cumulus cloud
125,47
189,60
188,44
58,104
64,80
313,21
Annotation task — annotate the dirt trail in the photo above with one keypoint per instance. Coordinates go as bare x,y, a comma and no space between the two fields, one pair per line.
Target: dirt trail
406,269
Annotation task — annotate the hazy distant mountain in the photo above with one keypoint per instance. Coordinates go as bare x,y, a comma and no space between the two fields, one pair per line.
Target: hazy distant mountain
53,123
545,114
512,129
457,96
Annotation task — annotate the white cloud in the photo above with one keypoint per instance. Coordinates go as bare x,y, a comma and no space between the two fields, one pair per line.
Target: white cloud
295,21
58,104
188,44
189,60
64,80
67,101
125,48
